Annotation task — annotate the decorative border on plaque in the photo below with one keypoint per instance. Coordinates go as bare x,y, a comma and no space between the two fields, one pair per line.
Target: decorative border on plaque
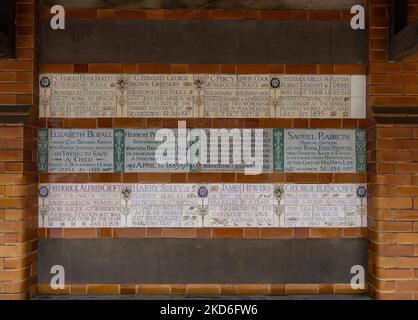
43,150
278,150
202,205
119,150
361,153
202,96
134,150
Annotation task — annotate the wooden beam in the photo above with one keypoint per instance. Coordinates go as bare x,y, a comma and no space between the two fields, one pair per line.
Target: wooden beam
404,42
395,114
403,37
14,113
398,15
7,29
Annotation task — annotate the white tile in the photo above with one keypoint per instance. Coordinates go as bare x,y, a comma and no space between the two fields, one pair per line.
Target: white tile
358,107
358,86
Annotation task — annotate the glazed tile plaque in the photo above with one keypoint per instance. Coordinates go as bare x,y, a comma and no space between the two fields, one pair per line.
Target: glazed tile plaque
241,205
329,150
160,95
324,205
202,205
76,150
80,95
140,149
202,95
167,205
261,140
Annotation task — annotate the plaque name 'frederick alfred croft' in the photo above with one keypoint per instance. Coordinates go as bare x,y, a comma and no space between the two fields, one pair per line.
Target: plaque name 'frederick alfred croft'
203,96
202,205
134,150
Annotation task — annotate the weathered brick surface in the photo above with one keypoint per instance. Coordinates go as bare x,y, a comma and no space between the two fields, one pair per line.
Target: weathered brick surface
18,177
393,169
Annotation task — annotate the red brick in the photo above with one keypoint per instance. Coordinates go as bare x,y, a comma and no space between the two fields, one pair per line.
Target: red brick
349,69
56,68
227,233
129,233
276,233
204,68
301,69
386,67
302,289
252,68
78,233
130,14
106,14
103,289
324,15
151,289
227,14
105,67
324,233
276,15
178,233
203,289
406,167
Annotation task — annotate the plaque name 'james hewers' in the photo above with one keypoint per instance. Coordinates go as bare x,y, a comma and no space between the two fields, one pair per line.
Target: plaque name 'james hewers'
134,150
202,205
202,95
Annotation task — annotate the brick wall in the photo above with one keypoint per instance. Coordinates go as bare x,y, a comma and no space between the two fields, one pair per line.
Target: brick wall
393,167
18,178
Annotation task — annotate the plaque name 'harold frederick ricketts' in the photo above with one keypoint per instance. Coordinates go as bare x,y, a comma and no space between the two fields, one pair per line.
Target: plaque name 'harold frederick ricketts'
202,205
202,96
226,150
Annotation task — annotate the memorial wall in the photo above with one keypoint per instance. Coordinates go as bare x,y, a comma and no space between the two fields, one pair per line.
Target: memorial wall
134,150
188,147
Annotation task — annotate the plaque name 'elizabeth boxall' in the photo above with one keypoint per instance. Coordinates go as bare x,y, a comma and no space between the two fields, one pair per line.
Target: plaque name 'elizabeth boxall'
134,150
202,205
202,96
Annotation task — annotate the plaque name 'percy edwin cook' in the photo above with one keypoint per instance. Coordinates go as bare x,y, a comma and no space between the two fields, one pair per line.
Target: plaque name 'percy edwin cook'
203,96
134,150
202,205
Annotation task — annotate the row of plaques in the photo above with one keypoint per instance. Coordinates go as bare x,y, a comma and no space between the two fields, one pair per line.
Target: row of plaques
201,150
202,205
202,96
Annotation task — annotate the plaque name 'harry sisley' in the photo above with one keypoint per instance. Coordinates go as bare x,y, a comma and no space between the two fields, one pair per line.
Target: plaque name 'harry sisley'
202,205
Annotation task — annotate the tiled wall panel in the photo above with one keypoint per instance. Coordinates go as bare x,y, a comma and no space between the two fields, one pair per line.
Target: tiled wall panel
202,95
202,205
135,150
